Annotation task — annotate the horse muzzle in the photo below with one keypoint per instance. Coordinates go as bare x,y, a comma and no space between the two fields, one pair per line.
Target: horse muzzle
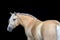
10,28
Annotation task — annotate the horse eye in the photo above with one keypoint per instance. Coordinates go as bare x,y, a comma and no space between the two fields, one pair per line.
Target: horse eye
14,19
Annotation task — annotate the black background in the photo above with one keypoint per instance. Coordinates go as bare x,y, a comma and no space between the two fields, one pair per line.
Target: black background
39,10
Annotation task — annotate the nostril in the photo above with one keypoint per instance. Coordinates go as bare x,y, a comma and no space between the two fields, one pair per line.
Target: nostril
10,28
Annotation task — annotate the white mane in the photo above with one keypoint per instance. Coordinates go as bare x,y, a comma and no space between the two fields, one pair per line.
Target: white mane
26,14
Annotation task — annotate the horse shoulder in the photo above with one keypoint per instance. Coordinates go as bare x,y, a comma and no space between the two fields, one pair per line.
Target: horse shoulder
36,31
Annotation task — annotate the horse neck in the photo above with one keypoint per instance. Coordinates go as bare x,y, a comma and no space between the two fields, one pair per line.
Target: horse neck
28,21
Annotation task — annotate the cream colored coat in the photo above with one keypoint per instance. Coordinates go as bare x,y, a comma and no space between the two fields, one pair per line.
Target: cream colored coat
39,30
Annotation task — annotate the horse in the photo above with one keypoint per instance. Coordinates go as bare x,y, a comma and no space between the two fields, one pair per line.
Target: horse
35,29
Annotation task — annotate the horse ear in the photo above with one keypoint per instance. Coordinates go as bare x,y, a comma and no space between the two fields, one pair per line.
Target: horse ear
11,13
14,12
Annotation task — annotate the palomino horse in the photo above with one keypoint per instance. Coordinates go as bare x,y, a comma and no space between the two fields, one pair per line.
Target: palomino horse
34,28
